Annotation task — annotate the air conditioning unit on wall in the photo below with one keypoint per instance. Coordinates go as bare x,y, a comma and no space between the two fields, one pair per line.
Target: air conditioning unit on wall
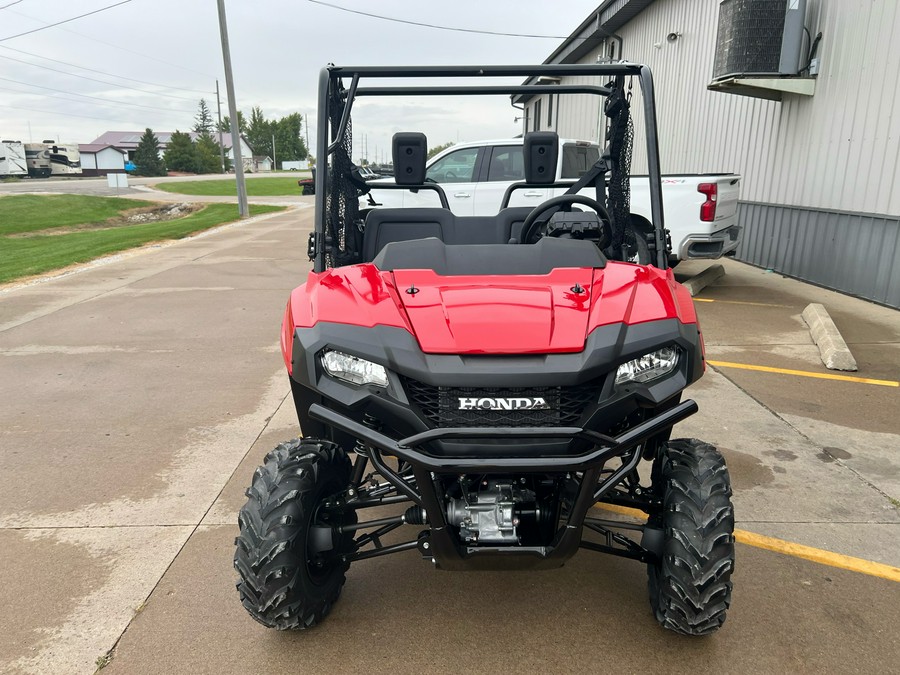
758,45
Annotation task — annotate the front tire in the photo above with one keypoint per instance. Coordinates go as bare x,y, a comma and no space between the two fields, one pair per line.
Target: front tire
290,566
690,586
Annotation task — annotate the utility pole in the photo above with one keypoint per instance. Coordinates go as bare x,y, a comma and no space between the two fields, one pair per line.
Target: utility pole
232,111
274,161
308,149
219,108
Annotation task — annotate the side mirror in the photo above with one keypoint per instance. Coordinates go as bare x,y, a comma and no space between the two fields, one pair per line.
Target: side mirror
541,152
409,151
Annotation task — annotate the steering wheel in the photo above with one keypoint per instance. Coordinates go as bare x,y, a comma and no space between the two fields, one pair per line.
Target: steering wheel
531,224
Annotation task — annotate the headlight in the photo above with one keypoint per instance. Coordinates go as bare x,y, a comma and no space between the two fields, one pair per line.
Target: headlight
649,366
353,369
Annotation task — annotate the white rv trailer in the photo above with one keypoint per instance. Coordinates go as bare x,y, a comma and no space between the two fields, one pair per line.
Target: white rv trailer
12,159
65,159
38,160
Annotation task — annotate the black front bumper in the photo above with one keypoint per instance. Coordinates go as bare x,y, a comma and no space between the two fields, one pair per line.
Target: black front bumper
443,546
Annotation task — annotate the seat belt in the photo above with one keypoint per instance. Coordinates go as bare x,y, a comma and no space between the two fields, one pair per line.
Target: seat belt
595,176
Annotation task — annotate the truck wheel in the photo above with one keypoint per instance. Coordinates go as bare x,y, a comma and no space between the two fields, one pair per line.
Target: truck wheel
636,249
287,556
690,586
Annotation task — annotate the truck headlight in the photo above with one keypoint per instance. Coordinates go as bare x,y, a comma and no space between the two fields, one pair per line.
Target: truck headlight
353,369
649,366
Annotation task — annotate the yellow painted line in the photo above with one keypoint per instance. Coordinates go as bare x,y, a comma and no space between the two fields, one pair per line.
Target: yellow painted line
816,555
623,511
804,373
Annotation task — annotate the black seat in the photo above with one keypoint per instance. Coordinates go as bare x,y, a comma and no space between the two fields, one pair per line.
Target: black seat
487,229
482,259
392,225
510,222
388,225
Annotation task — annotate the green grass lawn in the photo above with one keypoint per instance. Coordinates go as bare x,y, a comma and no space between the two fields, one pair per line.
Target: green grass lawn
36,254
268,186
28,213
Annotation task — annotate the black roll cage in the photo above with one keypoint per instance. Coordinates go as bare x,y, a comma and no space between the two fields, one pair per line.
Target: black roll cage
329,139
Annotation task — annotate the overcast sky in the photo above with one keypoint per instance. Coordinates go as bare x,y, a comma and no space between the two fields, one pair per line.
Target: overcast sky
171,51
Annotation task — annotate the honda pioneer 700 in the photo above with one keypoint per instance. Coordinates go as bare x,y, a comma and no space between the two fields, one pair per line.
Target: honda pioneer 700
500,383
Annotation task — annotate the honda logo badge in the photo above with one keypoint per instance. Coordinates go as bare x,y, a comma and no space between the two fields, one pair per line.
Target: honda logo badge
493,403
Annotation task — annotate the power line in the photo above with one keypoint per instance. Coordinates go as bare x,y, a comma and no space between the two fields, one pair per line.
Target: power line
57,98
96,98
94,79
12,3
51,25
62,114
124,49
103,72
431,25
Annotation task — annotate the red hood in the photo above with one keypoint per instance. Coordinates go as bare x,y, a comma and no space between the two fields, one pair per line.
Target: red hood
515,315
509,314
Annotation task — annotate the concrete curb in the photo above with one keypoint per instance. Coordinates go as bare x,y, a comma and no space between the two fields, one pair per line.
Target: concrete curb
700,281
834,351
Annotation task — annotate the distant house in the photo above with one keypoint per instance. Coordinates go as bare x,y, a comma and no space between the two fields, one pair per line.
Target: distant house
259,163
98,159
127,141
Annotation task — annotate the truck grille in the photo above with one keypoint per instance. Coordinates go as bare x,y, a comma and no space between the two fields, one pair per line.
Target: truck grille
440,405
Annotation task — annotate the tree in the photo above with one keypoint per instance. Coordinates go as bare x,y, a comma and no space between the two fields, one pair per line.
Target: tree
259,132
438,148
146,156
203,121
289,143
287,131
181,153
207,155
225,126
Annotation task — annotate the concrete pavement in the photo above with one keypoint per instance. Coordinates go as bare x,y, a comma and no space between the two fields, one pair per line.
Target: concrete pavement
140,395
132,391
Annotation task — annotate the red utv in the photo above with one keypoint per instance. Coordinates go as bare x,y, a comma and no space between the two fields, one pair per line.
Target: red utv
499,383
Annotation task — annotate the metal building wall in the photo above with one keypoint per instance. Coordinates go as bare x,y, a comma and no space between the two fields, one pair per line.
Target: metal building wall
833,157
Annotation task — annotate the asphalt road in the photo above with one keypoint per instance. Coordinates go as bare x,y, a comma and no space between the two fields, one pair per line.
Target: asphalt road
139,396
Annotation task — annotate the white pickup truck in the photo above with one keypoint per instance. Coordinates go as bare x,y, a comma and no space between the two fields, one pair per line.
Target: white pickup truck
700,210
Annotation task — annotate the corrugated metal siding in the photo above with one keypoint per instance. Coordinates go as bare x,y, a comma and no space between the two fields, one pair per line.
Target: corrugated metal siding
851,252
820,173
578,116
839,149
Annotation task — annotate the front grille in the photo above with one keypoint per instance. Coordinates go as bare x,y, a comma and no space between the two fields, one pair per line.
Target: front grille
440,405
